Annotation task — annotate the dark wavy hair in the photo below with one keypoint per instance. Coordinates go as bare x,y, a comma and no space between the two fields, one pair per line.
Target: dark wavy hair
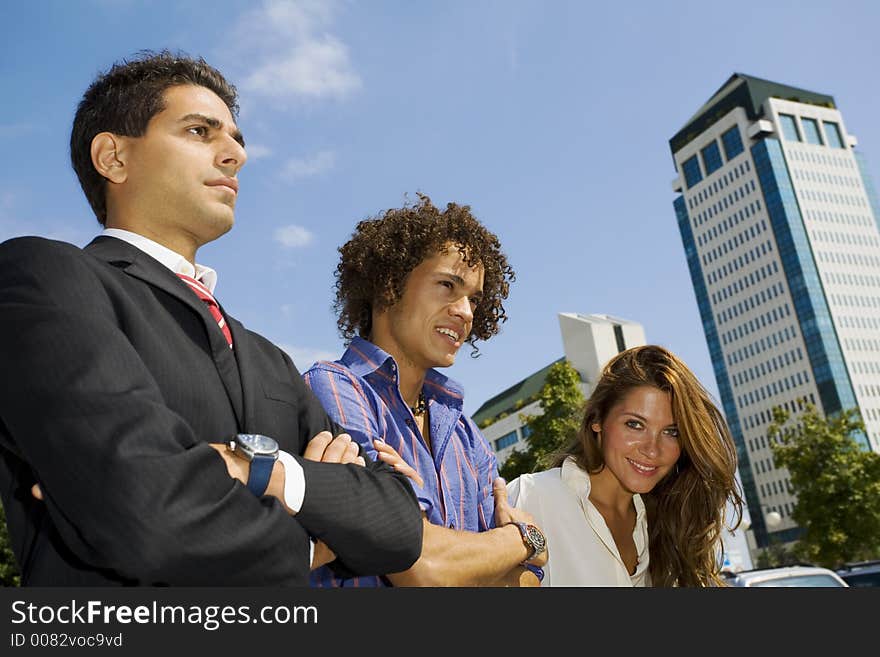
686,509
124,99
383,250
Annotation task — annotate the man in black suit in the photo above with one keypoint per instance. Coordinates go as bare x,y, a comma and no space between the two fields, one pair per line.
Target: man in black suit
117,378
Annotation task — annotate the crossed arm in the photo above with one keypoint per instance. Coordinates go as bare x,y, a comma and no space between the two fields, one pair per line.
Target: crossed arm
132,492
449,557
323,448
461,558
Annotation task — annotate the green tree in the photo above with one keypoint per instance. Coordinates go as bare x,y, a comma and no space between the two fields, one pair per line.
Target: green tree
562,402
518,462
8,566
776,554
837,483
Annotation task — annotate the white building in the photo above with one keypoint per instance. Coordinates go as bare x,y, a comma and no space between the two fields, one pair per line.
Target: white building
779,223
589,342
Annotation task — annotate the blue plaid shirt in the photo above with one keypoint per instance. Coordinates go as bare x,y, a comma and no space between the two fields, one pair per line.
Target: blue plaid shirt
360,392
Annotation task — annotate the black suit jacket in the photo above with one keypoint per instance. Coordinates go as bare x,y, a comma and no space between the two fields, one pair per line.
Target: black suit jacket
115,378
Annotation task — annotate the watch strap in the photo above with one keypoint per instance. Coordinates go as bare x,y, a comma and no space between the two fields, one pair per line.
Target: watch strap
527,541
260,473
538,572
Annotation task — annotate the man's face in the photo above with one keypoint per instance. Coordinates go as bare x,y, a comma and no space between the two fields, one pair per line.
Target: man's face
181,184
435,313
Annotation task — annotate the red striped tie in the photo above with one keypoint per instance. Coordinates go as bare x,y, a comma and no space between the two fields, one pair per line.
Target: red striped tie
205,295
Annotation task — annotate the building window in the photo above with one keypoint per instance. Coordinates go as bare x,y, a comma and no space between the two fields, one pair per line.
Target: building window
505,441
692,174
526,431
832,134
618,337
711,157
789,127
811,131
732,142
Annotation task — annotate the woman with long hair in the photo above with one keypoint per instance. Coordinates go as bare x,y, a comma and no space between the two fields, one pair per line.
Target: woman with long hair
639,497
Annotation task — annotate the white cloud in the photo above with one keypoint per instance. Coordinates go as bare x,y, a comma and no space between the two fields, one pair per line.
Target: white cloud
257,151
296,58
314,69
297,18
305,167
305,357
293,236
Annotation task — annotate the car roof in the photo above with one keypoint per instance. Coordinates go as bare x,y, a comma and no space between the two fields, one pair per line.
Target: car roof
863,573
761,575
859,566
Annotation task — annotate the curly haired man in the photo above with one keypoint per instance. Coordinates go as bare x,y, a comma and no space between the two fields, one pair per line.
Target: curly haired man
412,286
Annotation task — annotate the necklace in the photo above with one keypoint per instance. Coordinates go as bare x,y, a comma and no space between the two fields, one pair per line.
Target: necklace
421,405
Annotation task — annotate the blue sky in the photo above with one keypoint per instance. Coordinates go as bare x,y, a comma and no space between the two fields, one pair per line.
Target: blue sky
550,119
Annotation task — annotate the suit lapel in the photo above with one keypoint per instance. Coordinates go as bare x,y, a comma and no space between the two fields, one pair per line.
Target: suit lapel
244,359
138,264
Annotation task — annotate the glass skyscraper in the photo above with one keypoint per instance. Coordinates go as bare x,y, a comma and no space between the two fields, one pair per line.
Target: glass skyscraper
781,230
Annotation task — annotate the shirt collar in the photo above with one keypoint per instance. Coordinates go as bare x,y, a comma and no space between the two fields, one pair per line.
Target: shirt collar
363,357
578,480
174,261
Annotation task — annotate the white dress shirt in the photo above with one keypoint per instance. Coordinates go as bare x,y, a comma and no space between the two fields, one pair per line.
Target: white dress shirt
294,479
171,259
582,549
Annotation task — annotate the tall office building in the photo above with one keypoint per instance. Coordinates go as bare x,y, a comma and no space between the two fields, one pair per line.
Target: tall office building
779,221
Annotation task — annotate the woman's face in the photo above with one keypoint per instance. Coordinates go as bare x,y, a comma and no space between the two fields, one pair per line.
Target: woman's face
639,439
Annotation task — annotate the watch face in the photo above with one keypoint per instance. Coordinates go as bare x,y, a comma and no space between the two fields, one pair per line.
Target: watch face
537,538
256,443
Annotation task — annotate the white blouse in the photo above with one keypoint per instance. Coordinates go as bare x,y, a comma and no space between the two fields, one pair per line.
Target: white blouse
582,549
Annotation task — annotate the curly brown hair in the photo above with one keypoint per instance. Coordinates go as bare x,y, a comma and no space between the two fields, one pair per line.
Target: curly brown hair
686,509
383,250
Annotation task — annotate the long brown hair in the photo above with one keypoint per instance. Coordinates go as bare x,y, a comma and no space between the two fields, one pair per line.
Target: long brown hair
686,509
